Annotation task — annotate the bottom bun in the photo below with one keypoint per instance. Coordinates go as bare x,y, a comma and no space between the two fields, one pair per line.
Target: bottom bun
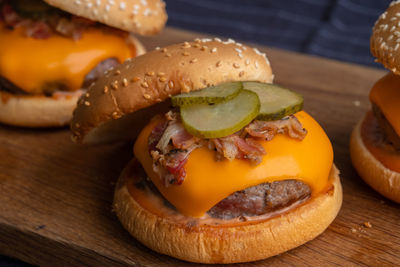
372,171
36,111
229,243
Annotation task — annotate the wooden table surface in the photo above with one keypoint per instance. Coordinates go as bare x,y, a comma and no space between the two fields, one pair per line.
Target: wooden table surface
56,196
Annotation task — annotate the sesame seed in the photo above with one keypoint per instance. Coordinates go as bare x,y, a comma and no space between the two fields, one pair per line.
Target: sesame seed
171,84
240,55
98,2
114,85
147,12
87,103
384,27
197,40
160,74
105,89
150,73
144,84
219,64
214,50
185,54
256,64
390,37
396,47
157,48
194,60
125,82
135,79
203,48
393,28
144,2
146,96
87,94
122,6
89,5
164,50
393,19
236,65
117,72
217,40
168,55
238,50
247,62
78,2
241,73
206,40
186,45
196,45
107,8
162,79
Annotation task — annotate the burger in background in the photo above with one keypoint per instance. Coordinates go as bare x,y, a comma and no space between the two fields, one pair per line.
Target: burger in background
51,51
375,141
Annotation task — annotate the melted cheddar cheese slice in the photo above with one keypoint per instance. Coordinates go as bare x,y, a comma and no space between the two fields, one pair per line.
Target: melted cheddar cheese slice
31,63
386,95
209,181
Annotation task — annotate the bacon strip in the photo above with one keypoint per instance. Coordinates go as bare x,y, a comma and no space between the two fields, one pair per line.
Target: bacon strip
268,129
170,144
53,23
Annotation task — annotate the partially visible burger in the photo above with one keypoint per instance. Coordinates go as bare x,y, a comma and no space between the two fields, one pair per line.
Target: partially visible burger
235,171
52,50
375,141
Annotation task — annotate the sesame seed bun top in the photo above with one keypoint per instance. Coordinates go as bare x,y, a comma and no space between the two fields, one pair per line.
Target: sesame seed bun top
385,39
122,102
144,17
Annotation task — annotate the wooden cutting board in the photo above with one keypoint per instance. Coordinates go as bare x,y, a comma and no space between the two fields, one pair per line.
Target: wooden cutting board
56,196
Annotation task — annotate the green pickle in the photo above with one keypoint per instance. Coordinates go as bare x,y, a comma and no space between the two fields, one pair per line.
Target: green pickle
276,102
210,95
222,119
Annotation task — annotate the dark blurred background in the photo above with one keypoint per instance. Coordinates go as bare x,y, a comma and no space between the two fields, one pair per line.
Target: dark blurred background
337,29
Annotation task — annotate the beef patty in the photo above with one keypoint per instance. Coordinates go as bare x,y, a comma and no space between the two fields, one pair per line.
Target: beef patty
52,86
389,133
253,201
261,199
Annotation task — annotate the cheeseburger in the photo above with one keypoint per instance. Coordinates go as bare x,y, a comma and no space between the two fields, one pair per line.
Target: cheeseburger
227,167
375,141
51,50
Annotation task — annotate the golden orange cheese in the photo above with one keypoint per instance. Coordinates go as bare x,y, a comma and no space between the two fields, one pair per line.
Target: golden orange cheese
386,95
209,181
30,63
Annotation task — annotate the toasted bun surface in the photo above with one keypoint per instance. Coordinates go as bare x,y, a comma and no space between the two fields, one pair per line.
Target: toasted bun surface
384,40
144,17
228,244
36,111
372,171
153,78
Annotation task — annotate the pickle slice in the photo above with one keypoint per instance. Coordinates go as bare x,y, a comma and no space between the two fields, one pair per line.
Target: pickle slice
222,119
276,102
209,95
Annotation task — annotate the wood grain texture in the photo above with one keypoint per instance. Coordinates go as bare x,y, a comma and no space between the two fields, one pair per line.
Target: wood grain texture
56,196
